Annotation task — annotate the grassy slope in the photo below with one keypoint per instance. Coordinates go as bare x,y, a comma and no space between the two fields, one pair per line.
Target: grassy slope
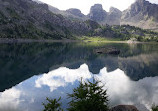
98,39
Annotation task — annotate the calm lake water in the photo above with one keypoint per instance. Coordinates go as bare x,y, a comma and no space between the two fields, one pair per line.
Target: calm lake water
30,72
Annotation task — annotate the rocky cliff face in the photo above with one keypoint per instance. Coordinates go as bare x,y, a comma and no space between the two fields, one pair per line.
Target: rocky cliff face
142,14
97,13
114,16
101,16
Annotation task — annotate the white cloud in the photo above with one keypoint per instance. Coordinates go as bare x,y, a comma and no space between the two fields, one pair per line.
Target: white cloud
62,76
9,100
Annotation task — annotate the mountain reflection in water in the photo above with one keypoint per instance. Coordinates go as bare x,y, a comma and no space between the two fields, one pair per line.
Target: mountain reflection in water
29,95
130,77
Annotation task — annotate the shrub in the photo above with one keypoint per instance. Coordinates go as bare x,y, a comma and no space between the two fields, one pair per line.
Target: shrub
88,96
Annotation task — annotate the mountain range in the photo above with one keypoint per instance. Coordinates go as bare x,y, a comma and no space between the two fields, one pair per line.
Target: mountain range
36,20
141,14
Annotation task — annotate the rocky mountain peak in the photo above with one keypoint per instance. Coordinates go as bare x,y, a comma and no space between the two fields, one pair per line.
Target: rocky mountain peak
114,10
75,12
143,7
97,7
114,16
143,11
142,1
97,13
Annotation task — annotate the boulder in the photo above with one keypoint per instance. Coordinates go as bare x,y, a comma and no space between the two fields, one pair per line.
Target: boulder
124,108
112,51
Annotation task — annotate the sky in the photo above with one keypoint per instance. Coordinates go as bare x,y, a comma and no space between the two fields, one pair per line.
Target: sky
84,5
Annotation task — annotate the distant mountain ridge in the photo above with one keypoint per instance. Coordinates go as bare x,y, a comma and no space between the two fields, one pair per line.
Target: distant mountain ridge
72,13
142,14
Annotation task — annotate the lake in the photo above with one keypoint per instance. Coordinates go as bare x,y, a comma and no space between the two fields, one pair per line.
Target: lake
30,72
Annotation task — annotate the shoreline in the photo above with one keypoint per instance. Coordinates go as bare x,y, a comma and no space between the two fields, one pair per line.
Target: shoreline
19,40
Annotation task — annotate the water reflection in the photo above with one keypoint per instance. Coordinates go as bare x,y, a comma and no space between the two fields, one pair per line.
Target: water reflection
29,95
140,66
123,90
21,61
130,77
9,100
62,76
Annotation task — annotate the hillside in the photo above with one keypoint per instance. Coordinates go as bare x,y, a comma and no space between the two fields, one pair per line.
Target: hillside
29,19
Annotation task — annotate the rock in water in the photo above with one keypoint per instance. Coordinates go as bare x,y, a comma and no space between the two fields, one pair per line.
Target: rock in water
124,108
112,51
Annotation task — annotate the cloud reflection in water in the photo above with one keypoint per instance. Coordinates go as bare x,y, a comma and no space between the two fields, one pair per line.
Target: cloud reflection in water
62,76
120,88
9,100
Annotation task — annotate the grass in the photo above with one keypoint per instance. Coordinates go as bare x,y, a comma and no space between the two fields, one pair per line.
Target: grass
97,39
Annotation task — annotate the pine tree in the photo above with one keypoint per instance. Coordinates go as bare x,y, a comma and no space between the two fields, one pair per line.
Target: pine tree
88,96
52,105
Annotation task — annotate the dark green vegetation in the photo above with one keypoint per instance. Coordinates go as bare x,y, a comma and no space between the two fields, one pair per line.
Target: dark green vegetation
28,19
154,108
127,32
124,32
88,96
